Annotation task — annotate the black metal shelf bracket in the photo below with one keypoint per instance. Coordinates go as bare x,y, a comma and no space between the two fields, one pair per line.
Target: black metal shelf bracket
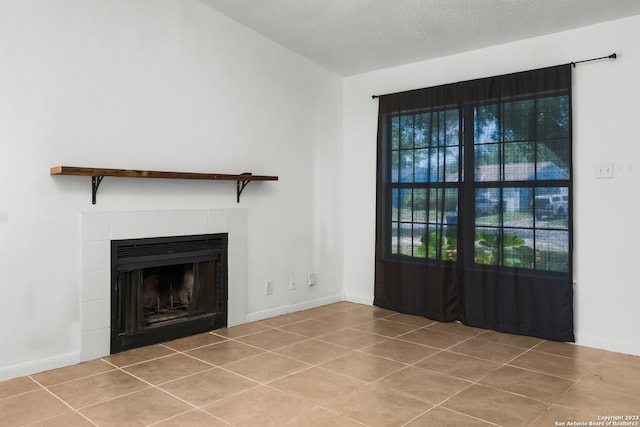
241,184
95,183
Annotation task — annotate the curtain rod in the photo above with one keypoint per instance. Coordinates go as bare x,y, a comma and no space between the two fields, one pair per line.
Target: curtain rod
573,64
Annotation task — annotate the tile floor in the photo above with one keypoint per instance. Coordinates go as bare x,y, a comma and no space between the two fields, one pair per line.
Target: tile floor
340,365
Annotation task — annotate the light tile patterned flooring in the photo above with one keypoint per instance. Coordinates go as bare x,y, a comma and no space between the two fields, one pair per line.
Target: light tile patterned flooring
340,365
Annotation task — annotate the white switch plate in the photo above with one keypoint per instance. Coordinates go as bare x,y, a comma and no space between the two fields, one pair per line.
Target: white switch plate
604,170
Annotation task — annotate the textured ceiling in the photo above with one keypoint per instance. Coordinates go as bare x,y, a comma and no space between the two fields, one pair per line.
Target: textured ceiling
355,36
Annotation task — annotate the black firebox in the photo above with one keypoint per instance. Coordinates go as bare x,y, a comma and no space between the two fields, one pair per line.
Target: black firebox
166,288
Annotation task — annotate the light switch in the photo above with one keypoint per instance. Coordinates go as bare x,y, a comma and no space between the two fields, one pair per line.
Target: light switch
604,170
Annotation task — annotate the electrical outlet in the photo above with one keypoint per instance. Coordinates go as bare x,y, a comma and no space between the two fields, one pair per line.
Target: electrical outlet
268,287
312,280
292,283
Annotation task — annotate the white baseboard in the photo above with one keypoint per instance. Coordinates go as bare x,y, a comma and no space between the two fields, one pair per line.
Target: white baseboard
358,299
39,366
305,305
608,344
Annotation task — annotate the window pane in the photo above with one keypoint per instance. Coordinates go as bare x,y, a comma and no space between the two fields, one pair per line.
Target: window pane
487,158
487,246
552,117
519,159
453,128
419,232
552,249
551,207
517,207
517,248
406,239
394,238
517,120
406,165
487,206
405,201
422,165
420,205
395,133
452,162
485,123
394,205
406,131
553,160
421,125
395,162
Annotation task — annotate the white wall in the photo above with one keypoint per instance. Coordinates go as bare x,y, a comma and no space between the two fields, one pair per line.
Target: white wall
607,232
159,85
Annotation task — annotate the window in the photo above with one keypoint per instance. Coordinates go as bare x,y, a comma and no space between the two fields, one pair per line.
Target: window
520,178
474,203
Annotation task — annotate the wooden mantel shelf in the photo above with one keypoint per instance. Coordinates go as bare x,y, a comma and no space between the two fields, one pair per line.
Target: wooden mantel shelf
97,174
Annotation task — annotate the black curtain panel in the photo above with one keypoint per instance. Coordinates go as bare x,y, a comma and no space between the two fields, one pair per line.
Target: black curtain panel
474,212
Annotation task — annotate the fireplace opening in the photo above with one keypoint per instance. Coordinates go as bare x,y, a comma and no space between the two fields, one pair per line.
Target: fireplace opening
166,288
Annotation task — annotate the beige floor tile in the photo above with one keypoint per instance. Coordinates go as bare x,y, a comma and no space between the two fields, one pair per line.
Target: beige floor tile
17,386
510,339
168,368
441,417
586,354
385,327
530,384
98,388
344,319
456,328
400,351
352,338
423,385
241,330
318,417
271,339
367,310
559,366
556,415
258,407
590,395
496,352
409,319
195,418
312,351
619,378
286,319
321,311
208,386
432,338
30,407
266,367
138,355
69,373
459,366
317,385
194,341
620,359
496,406
69,419
224,352
137,409
364,367
377,407
311,328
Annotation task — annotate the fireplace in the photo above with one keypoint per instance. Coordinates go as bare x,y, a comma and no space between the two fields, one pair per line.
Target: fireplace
165,288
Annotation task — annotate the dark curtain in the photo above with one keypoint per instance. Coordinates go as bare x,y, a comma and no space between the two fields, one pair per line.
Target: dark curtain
474,216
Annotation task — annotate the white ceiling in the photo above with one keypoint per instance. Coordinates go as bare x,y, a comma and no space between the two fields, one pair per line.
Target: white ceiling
355,36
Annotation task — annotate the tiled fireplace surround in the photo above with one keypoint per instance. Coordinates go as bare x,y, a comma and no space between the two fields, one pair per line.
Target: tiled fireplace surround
99,228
